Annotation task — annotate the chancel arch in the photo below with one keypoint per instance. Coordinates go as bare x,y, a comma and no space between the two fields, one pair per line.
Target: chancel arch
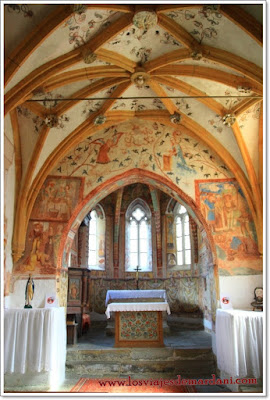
186,286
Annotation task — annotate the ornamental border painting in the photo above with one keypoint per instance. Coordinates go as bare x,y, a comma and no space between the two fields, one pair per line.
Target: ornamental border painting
57,198
226,211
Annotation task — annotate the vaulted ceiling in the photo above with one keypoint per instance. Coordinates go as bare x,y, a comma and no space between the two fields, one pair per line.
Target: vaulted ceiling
73,70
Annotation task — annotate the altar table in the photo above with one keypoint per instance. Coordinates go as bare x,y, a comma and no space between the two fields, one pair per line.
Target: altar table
239,338
138,324
35,342
135,294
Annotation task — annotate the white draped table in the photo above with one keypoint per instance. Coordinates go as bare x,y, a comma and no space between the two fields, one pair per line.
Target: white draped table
239,337
135,294
120,307
35,342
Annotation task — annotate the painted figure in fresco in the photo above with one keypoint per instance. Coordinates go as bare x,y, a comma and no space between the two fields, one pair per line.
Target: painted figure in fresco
228,209
36,255
175,155
49,245
42,247
106,146
243,220
219,216
209,202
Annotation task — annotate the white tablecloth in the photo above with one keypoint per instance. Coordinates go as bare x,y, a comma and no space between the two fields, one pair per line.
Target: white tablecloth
35,341
114,307
239,338
135,294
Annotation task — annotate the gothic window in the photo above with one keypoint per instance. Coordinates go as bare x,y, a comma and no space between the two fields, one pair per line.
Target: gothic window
138,236
182,234
96,243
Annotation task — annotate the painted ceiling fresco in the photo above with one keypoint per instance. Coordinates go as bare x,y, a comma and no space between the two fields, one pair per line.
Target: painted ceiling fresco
153,147
197,65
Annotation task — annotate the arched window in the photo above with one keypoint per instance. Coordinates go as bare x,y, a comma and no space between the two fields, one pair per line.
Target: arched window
138,236
96,247
182,235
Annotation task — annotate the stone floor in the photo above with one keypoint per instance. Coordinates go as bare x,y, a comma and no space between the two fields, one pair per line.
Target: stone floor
186,341
96,338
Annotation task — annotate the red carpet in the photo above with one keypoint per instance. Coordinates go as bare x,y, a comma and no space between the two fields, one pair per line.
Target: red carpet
85,385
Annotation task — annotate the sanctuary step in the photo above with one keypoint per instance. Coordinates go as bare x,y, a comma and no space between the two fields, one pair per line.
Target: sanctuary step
186,353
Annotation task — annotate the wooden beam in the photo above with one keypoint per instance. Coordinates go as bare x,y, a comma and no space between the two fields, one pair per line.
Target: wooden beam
258,205
179,33
197,71
168,103
192,91
244,20
37,77
66,78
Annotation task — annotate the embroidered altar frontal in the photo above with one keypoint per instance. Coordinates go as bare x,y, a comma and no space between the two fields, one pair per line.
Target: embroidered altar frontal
138,329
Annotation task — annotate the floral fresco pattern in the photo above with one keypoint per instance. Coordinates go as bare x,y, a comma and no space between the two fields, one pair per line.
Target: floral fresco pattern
204,21
84,24
154,147
140,325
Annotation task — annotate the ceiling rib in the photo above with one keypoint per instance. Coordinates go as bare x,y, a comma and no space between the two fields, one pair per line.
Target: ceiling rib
179,33
244,20
107,71
170,106
190,90
239,64
41,74
16,59
240,108
116,59
197,71
85,92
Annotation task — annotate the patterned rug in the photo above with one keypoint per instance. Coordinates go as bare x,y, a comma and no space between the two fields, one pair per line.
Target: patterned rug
85,385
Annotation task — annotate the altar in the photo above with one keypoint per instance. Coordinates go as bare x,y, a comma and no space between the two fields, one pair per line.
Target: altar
138,316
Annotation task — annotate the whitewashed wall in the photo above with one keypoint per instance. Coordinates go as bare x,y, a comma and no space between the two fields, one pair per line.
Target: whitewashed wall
42,288
241,289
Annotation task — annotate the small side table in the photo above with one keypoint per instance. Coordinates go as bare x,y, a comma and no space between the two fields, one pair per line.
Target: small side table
257,306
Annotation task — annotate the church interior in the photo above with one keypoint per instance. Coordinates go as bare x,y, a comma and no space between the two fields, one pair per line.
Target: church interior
133,193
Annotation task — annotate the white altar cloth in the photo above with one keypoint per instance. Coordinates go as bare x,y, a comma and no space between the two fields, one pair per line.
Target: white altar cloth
135,294
239,338
115,307
35,341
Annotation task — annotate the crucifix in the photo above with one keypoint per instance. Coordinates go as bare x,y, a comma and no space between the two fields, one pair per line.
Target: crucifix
137,269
